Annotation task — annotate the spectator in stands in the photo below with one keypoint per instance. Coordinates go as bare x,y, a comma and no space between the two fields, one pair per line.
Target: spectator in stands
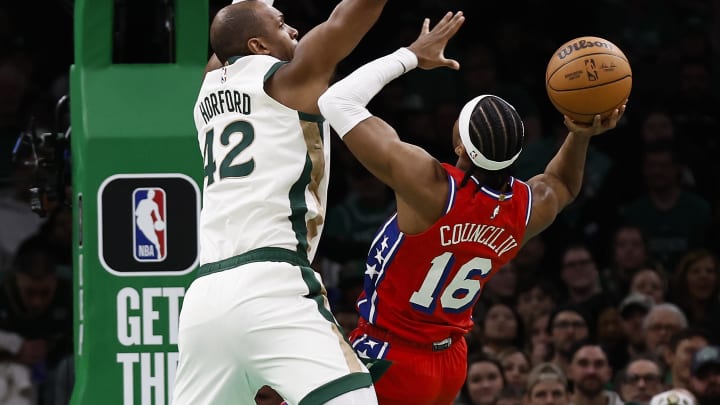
641,380
538,341
516,366
705,375
673,218
567,326
534,295
484,381
629,254
36,315
683,346
590,371
547,385
581,278
502,329
633,310
649,281
660,324
695,290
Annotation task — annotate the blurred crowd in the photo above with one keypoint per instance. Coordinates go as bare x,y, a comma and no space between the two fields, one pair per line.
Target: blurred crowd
619,298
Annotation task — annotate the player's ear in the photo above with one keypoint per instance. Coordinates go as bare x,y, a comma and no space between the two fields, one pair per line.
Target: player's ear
459,150
257,46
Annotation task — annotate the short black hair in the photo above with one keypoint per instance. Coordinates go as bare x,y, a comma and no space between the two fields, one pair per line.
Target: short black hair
232,27
585,343
687,333
567,308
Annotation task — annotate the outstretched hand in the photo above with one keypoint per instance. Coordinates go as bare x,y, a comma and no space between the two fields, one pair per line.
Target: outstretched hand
429,47
598,125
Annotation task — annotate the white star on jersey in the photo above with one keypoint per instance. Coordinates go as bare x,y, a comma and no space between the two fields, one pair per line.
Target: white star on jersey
379,256
370,271
384,244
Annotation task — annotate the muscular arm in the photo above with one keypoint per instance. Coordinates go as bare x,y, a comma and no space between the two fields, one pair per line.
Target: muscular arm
419,181
299,83
560,184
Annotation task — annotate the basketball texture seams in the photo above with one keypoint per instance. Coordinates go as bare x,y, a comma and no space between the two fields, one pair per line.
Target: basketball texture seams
588,76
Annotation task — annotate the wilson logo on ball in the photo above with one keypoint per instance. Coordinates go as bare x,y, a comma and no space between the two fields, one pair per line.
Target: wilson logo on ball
579,45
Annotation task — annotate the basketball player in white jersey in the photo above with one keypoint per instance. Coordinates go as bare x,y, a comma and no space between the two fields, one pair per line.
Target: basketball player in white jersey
257,314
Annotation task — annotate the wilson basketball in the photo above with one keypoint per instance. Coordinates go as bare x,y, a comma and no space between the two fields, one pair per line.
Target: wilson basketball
588,76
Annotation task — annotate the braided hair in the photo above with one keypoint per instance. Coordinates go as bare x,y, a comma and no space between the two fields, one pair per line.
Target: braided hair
492,133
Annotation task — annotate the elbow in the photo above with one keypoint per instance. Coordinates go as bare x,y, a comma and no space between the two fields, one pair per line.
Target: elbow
341,112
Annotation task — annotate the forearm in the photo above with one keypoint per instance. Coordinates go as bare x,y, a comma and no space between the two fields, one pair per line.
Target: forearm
348,23
343,104
568,165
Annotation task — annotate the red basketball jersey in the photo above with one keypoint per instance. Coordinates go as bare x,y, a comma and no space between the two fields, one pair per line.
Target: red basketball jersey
423,287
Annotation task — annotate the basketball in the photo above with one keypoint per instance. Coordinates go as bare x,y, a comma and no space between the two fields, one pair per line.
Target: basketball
159,225
588,76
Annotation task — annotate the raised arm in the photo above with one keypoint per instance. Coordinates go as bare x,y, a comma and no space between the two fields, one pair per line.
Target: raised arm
420,183
560,184
299,83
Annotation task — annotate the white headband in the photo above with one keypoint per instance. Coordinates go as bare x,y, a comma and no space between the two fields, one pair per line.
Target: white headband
475,155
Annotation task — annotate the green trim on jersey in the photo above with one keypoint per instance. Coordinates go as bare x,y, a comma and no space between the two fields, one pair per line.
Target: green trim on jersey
298,208
335,388
233,59
311,118
273,69
265,254
303,116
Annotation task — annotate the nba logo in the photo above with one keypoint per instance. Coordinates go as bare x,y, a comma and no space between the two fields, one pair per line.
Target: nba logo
149,236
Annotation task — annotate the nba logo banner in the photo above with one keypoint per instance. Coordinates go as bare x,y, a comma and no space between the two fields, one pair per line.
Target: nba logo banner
149,222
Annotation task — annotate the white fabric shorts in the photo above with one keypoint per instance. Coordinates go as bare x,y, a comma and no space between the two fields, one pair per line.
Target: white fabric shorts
262,323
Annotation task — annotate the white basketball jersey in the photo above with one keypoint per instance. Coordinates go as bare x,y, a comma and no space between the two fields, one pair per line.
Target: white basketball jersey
266,165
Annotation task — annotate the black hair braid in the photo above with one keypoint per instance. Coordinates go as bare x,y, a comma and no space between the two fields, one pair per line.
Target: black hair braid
496,130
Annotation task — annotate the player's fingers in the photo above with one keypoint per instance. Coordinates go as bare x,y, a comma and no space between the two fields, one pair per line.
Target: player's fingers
448,22
425,27
455,24
452,64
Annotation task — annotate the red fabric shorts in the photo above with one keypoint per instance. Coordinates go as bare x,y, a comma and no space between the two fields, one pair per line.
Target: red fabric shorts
418,375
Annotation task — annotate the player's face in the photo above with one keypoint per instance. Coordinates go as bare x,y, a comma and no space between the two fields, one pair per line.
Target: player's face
281,38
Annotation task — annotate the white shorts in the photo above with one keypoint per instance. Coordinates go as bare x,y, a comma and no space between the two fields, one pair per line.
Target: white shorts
262,323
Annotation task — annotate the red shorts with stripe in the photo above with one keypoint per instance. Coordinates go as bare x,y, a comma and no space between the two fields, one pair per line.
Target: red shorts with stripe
419,374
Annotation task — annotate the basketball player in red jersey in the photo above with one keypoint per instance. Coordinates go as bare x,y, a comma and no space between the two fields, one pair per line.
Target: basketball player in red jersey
455,226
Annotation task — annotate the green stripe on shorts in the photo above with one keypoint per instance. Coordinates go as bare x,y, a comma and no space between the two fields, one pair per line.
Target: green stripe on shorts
266,254
335,388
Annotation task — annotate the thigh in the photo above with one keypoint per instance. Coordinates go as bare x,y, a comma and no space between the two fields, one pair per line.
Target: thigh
301,353
209,371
